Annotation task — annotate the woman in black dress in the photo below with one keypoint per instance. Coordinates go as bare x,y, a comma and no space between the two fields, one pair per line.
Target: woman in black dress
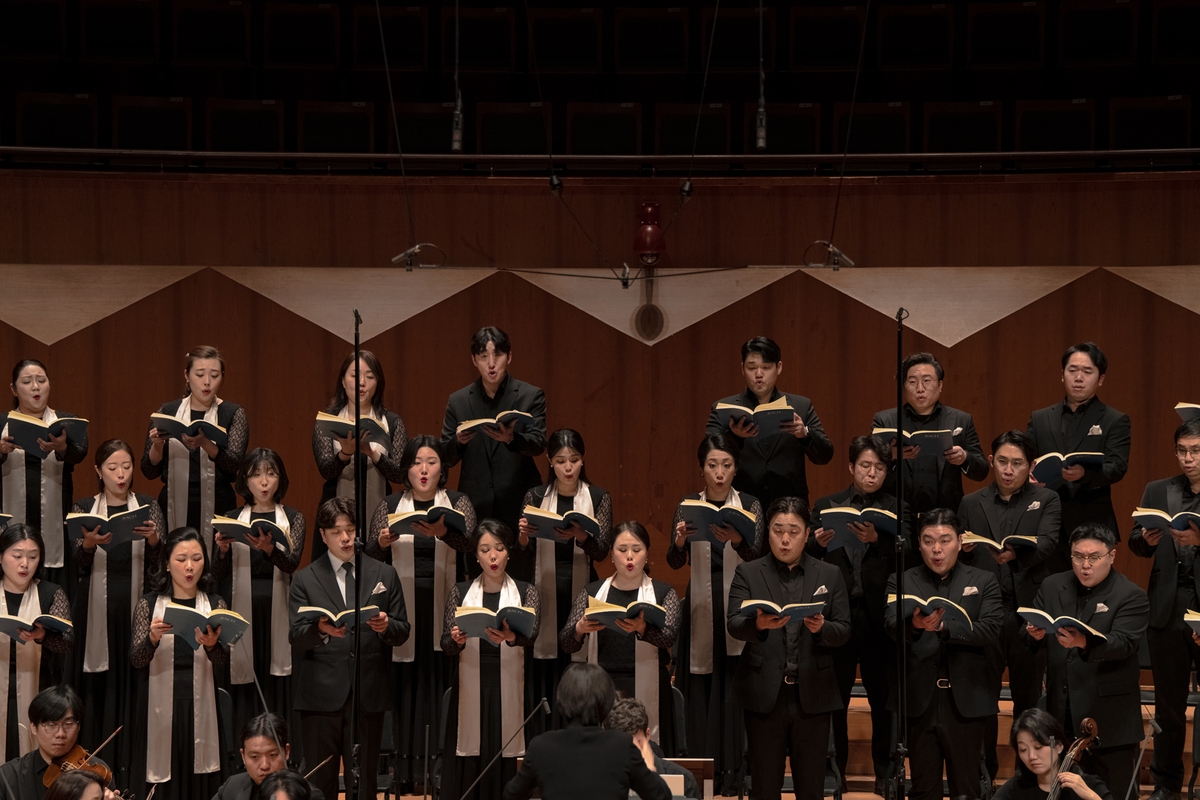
707,654
36,488
256,578
334,456
488,704
28,655
638,662
1039,741
113,580
198,474
425,562
173,679
563,568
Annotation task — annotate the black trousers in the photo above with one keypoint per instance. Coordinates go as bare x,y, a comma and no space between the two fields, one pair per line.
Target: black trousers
940,735
871,652
1172,656
330,734
786,731
1114,766
1026,674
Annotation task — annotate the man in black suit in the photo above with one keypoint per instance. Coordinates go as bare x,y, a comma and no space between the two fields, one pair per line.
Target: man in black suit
1011,506
772,466
497,461
932,479
55,715
1091,677
866,565
324,667
785,680
951,694
1083,424
1174,588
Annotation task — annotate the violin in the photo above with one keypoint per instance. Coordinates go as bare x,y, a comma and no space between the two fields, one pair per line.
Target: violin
1090,731
78,758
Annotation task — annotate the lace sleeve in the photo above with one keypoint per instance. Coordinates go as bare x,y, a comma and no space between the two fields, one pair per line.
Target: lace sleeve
527,500
222,560
76,452
389,463
455,539
453,601
378,523
677,557
83,558
665,637
230,458
143,649
566,636
597,548
149,468
59,642
328,463
750,550
287,562
530,600
217,654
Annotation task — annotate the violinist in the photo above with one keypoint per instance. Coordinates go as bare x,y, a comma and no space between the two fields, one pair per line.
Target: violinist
54,719
265,750
1041,771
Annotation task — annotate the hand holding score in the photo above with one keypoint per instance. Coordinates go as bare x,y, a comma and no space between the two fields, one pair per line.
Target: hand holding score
503,635
928,622
795,426
378,623
815,622
955,455
1152,536
823,536
1189,537
743,427
92,537
502,432
1070,637
326,627
1074,473
768,622
636,625
208,637
35,635
55,444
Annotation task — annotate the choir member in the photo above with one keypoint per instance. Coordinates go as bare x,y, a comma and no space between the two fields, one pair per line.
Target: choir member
1174,589
708,652
952,695
425,565
497,461
335,456
629,715
113,581
1039,741
637,662
583,759
562,569
772,466
1012,506
323,682
55,717
256,577
489,702
785,680
866,564
34,489
931,479
1092,677
198,475
265,750
178,739
1083,424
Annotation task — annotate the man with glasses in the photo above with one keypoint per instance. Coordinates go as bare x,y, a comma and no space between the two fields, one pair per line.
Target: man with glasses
932,479
1095,676
1011,506
1174,588
54,718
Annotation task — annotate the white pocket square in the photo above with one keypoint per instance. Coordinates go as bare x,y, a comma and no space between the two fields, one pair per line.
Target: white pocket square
1095,431
1035,505
956,431
821,590
1101,607
379,587
970,590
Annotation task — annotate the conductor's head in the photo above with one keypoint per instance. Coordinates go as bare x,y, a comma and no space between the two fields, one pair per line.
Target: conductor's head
284,785
585,694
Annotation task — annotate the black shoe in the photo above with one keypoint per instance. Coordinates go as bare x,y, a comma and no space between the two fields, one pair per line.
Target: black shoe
1163,793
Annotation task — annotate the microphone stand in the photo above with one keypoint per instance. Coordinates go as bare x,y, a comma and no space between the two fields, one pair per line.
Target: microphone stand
360,513
901,750
544,707
1155,729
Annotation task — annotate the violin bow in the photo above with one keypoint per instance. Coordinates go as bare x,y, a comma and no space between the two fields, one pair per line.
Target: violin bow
111,736
310,772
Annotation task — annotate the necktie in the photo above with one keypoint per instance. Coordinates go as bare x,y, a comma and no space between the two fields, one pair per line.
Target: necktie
348,568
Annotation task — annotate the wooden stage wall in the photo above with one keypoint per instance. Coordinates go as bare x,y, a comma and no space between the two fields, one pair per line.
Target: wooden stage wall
640,408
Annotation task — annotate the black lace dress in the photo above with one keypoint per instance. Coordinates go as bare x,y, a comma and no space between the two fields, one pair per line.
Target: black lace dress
51,600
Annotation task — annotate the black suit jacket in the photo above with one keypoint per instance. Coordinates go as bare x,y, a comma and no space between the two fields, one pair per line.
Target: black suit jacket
949,490
1090,498
585,761
324,670
1165,495
773,466
1041,516
494,475
969,651
1102,680
879,562
761,666
21,778
243,787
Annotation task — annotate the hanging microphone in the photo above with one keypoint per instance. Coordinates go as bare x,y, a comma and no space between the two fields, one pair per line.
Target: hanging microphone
760,126
457,126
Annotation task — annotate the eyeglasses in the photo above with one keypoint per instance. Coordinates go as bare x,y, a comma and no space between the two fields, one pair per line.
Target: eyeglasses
924,383
66,726
1091,559
1016,463
1183,452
